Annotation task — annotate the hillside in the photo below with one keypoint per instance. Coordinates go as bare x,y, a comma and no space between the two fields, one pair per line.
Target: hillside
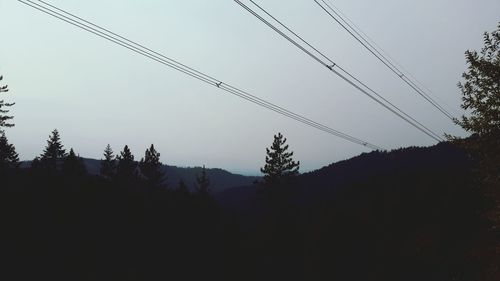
443,159
220,179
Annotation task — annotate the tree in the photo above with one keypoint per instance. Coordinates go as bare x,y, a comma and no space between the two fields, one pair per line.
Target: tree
4,119
8,155
481,98
108,164
73,165
481,89
126,169
151,168
279,167
203,182
54,153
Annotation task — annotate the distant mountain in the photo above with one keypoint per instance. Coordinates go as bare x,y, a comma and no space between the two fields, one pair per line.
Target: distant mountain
442,158
220,179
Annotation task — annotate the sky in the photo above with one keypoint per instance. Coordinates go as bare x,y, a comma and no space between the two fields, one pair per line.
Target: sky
95,92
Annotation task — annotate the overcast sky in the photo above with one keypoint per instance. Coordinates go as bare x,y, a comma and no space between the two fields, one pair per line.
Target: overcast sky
95,92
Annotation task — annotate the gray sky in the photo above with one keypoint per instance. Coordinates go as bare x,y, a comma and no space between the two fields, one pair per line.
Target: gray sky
96,92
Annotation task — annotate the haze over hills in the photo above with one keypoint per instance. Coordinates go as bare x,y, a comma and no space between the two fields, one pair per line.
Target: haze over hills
396,166
220,179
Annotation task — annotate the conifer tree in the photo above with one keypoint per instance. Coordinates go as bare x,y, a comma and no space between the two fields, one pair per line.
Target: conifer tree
279,165
54,153
126,169
8,155
73,165
203,182
108,164
4,119
151,168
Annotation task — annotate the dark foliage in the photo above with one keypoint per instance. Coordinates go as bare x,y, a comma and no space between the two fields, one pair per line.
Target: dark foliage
108,164
126,171
151,168
9,158
279,166
73,166
481,98
415,217
203,183
53,154
4,119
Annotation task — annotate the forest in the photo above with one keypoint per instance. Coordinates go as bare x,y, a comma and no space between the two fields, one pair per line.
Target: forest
416,213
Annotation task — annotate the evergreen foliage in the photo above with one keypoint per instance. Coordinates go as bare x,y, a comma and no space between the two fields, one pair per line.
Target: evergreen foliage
54,153
126,169
279,166
4,119
73,165
151,168
203,182
8,155
108,164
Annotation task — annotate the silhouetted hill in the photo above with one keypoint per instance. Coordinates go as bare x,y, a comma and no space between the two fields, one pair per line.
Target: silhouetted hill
220,179
324,182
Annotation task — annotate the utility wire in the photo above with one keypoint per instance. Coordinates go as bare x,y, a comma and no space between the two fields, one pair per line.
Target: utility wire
373,50
376,47
140,49
363,88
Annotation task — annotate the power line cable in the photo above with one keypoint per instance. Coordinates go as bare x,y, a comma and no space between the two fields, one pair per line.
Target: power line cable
388,105
388,57
373,50
137,48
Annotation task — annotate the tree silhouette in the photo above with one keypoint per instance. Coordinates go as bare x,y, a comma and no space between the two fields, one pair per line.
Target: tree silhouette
54,153
108,164
73,165
126,170
4,118
203,182
481,89
279,165
481,98
8,155
151,168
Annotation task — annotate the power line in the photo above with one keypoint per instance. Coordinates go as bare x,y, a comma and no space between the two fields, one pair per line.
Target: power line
362,87
389,58
146,52
373,50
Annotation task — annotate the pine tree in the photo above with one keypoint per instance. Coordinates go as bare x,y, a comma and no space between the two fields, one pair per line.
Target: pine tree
203,182
126,170
108,164
4,119
151,168
279,167
8,155
73,165
54,153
